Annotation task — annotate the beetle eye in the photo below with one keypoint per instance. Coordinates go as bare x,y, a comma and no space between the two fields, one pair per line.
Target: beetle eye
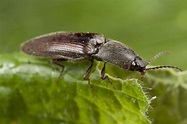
133,63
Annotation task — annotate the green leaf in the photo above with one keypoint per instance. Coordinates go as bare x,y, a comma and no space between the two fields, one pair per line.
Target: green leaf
31,92
170,88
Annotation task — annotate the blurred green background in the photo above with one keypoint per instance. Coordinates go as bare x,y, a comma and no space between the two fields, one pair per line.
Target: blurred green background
147,26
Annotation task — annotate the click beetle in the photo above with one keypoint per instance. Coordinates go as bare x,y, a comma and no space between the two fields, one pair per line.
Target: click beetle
74,46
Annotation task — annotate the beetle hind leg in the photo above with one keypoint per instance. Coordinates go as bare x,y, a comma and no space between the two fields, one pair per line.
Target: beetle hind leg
59,63
87,74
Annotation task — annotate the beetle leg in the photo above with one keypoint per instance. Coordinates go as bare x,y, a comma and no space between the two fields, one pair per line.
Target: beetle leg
102,75
59,63
87,74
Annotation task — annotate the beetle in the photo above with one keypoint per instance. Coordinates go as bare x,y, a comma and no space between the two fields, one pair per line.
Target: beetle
74,46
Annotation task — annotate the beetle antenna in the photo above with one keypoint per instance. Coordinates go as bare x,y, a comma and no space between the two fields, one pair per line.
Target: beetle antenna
164,66
157,55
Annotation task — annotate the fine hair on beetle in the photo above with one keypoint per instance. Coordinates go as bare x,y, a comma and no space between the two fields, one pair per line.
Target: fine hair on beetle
74,46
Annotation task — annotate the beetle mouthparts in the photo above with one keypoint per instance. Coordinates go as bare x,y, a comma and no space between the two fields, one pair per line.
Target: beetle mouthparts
143,72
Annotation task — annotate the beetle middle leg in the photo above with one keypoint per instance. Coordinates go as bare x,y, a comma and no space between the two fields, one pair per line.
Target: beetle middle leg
102,75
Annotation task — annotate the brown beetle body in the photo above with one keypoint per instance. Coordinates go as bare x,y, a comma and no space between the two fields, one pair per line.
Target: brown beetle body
71,46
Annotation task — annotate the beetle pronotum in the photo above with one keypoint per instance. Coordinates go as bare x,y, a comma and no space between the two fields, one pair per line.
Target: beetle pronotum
74,46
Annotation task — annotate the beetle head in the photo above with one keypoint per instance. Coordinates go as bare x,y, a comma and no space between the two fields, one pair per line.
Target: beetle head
138,64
